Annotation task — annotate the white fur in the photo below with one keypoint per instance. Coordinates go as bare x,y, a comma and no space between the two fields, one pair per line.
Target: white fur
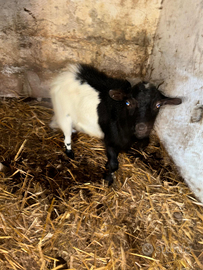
147,85
75,105
1,167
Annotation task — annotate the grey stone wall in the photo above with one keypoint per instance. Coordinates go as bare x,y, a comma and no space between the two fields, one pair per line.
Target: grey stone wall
177,60
38,38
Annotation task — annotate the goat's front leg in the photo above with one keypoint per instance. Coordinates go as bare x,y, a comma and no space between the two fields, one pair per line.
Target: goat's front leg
112,164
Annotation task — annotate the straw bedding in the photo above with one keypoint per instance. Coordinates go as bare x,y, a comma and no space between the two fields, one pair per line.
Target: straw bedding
57,213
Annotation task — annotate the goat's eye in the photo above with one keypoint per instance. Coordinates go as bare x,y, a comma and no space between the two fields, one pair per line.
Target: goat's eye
158,105
127,102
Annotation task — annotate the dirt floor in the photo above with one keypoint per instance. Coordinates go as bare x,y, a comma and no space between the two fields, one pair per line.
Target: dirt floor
57,213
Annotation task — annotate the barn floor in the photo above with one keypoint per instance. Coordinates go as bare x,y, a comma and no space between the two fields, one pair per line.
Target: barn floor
57,213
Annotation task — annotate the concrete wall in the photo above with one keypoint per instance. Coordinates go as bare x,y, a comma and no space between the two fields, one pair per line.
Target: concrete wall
38,37
178,60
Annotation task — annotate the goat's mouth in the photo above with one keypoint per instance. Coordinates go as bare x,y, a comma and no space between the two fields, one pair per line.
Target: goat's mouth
142,131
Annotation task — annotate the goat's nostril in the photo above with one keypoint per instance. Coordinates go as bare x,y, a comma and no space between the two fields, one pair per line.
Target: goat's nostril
141,127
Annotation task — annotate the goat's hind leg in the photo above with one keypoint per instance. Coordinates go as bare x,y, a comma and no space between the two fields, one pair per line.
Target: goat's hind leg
66,126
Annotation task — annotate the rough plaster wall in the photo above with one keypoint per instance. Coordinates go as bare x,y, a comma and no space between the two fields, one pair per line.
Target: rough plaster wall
177,59
43,36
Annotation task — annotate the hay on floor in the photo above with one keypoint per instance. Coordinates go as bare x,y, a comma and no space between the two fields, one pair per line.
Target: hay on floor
57,213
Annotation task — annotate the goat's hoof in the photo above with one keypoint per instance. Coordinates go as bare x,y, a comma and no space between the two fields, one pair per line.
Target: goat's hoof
109,178
110,182
70,154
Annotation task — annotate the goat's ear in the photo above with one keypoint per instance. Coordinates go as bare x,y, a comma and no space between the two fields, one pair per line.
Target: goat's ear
117,94
171,101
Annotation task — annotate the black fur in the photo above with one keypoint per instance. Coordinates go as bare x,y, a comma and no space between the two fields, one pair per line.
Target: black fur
121,123
99,80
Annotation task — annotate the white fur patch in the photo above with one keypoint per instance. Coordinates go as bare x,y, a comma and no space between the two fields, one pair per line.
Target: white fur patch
147,85
1,167
75,105
53,123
